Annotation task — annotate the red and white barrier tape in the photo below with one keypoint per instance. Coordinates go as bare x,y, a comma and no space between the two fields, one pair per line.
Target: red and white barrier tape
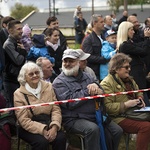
73,100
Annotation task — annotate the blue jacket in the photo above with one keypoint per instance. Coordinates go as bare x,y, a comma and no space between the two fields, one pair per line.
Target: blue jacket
107,52
36,52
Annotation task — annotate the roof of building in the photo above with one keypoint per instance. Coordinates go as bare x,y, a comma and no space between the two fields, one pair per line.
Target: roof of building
38,19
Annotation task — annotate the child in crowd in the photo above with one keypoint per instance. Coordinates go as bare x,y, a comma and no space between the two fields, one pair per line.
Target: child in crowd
26,37
108,50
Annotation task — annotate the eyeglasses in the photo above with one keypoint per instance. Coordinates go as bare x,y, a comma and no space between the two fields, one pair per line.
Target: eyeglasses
126,67
31,74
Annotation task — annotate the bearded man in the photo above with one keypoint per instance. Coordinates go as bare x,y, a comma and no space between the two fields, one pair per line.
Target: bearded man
79,117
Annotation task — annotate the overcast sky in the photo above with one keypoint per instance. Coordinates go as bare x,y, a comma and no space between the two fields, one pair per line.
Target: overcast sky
43,4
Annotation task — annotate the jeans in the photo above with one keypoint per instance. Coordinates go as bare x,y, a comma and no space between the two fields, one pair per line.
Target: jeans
90,131
117,132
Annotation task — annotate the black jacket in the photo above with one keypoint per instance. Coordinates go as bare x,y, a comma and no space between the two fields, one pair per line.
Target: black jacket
14,59
92,45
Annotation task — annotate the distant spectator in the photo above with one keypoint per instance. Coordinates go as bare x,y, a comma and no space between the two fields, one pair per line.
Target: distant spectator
80,25
147,22
123,18
52,22
78,9
114,21
26,37
108,24
139,34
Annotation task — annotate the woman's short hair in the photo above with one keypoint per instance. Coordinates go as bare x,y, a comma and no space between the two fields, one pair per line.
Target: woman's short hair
122,34
117,62
28,67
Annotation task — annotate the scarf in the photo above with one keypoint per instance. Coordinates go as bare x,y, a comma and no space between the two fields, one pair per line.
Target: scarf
35,92
54,46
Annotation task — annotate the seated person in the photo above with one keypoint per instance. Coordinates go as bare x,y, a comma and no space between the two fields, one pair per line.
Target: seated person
118,80
47,68
79,117
35,90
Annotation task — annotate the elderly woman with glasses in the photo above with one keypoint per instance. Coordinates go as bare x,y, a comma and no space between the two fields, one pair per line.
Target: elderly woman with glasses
119,80
33,90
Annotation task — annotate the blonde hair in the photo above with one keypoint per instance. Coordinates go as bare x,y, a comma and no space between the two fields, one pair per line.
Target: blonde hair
122,34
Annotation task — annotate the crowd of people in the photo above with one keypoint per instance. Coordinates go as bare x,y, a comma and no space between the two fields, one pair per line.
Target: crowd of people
41,68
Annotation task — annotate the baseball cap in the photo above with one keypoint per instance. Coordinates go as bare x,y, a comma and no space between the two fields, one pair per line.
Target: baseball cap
75,54
109,32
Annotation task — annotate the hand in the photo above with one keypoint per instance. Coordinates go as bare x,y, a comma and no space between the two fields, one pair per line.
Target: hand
93,89
52,133
134,102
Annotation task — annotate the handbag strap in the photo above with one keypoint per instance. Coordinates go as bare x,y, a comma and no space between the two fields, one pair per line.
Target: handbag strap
26,97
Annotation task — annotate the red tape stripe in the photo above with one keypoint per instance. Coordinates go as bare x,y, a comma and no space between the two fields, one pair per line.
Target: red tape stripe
72,100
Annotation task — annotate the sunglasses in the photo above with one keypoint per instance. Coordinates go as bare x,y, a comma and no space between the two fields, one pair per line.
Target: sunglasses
31,74
126,67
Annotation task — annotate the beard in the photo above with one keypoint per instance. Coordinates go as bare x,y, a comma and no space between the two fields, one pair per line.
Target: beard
72,71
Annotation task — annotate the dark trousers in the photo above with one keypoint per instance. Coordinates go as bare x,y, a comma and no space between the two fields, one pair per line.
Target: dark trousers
39,142
9,89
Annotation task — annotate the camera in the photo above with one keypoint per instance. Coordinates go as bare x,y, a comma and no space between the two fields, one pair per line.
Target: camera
140,103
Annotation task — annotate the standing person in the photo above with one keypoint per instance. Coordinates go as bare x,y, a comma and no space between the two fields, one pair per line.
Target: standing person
138,33
108,50
47,68
15,57
123,18
119,80
52,22
136,52
92,44
4,31
80,25
79,117
77,10
33,90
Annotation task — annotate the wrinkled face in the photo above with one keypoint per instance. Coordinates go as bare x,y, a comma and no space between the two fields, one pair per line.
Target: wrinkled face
112,39
123,72
54,37
109,21
131,33
16,31
54,24
70,66
32,77
47,68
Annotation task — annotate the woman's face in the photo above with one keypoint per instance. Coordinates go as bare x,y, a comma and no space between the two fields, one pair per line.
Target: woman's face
130,33
32,77
54,37
123,72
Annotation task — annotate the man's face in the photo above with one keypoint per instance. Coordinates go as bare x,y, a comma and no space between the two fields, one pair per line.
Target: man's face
135,22
47,68
99,25
54,24
16,31
70,66
109,21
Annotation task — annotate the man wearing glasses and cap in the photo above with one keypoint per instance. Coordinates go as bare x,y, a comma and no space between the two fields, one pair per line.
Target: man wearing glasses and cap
79,117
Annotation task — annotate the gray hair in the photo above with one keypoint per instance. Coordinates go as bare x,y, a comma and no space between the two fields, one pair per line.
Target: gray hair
117,62
28,67
94,18
39,61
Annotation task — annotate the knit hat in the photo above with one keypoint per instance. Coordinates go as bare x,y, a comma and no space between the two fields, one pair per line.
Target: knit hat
26,30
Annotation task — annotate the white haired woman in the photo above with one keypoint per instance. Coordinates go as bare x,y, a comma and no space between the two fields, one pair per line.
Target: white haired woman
139,53
33,90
